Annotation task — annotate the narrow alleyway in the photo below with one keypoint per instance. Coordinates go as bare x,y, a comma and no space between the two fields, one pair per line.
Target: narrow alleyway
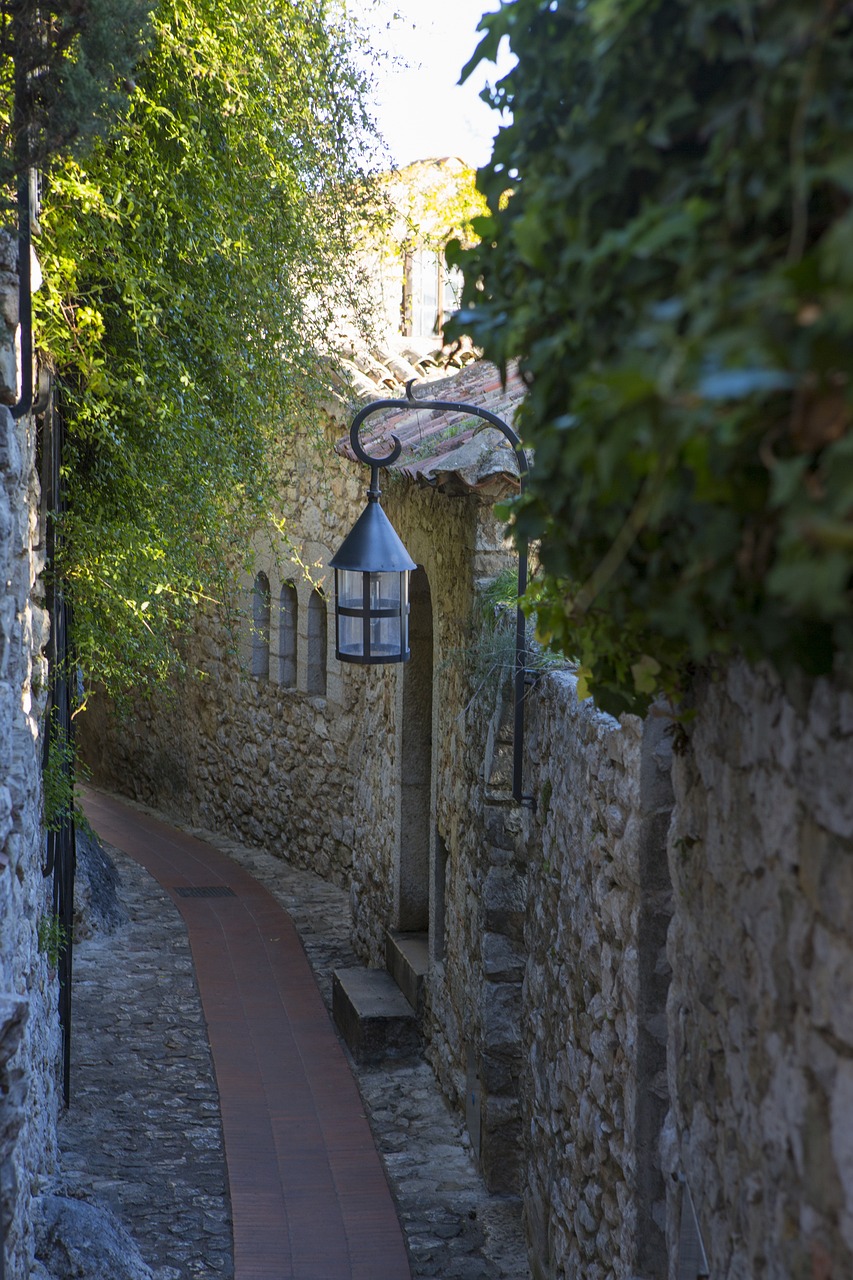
309,1196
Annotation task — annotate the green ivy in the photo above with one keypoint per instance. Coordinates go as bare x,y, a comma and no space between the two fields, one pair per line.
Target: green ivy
58,779
60,775
193,261
670,252
52,938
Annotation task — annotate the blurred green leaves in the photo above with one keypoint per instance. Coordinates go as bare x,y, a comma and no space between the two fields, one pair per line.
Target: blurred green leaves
669,252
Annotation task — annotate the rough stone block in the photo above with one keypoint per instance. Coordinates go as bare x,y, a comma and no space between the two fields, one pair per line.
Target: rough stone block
75,1238
505,901
373,1016
500,1145
97,908
8,374
503,959
500,1013
499,1075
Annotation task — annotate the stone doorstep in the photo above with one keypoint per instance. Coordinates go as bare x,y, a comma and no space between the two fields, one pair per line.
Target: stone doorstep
407,961
373,1016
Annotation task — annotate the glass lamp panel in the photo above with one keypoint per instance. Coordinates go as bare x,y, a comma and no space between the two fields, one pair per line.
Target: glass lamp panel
350,588
385,637
351,635
385,591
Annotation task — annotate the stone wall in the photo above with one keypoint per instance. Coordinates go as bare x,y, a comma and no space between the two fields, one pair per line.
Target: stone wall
29,1028
586,876
685,1022
761,1001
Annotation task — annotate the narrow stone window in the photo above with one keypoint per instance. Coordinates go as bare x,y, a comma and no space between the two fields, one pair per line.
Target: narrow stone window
261,628
287,630
317,643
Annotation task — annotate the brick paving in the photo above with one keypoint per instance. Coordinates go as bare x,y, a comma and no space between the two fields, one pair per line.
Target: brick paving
176,1207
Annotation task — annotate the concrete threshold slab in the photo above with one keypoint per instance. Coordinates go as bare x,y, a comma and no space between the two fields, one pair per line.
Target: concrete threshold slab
373,1016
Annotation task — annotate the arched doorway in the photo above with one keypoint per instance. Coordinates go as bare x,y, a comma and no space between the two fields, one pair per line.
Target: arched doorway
413,868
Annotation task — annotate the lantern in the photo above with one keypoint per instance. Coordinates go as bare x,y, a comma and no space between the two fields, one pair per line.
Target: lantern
372,571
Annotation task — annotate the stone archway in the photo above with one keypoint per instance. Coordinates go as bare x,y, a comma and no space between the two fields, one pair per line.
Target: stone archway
413,863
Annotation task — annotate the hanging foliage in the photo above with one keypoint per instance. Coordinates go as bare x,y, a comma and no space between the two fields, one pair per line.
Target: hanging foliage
674,264
191,264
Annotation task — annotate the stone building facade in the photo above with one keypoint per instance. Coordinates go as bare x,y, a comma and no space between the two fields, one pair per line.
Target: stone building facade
29,1026
638,989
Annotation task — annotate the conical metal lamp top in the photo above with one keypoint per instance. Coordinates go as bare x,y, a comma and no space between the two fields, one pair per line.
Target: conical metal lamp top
372,545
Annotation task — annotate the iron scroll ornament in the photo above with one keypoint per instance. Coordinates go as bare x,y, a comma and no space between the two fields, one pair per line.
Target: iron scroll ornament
450,406
442,406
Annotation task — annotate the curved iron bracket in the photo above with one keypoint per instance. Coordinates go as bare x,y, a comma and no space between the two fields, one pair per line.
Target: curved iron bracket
355,442
491,419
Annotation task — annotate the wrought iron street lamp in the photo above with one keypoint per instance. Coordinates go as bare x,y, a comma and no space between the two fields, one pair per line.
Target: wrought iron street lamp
372,569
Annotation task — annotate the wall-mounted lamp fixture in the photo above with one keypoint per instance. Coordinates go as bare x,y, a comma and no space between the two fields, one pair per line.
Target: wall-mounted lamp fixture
372,570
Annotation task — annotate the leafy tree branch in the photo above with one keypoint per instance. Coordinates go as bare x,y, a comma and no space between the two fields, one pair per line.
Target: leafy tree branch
673,265
193,260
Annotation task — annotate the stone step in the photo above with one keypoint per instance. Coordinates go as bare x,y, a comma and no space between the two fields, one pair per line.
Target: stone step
373,1016
407,961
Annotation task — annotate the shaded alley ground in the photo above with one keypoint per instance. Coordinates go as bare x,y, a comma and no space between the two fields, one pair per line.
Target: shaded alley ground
144,1131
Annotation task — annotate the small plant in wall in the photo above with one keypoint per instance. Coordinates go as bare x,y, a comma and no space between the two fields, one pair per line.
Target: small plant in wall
59,780
52,938
493,649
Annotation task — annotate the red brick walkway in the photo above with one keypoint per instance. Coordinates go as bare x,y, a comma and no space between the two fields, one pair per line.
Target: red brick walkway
308,1192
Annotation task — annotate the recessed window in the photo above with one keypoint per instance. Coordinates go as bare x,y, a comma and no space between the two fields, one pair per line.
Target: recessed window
288,620
431,292
261,628
317,643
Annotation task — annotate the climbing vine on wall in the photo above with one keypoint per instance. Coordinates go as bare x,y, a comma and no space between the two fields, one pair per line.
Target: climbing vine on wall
674,265
192,260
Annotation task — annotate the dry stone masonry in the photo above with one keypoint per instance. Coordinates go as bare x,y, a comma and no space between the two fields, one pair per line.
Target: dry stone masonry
638,992
760,1011
29,1029
593,1016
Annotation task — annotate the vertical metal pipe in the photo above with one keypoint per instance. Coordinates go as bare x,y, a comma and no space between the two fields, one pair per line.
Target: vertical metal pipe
520,676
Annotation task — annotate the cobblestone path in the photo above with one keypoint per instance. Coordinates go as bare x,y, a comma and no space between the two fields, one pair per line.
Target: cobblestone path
144,1128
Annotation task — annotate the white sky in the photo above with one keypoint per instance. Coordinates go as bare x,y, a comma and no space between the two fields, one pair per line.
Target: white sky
421,110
